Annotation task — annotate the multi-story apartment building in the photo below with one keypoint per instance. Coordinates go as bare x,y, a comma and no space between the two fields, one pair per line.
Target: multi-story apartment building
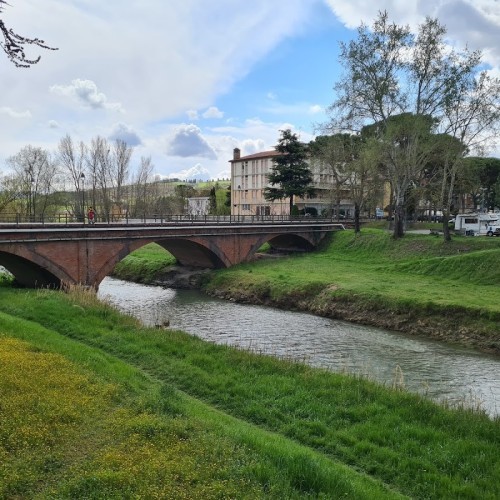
249,179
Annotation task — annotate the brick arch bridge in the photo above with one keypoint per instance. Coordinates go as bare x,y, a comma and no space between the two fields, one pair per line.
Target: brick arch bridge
59,255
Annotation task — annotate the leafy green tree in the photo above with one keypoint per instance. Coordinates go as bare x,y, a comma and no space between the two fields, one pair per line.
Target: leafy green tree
184,191
389,72
290,172
482,181
402,145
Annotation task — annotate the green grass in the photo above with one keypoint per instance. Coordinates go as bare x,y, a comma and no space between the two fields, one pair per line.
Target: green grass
77,420
144,264
418,270
418,284
163,413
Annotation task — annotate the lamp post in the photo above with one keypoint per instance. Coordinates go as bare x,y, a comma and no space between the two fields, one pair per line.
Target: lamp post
82,177
31,199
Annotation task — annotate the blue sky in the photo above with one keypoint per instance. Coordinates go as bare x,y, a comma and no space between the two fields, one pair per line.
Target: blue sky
186,81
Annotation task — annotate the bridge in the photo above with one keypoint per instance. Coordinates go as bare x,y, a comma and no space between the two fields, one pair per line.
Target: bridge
57,255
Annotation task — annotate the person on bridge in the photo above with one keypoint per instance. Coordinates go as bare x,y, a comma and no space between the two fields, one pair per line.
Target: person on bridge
91,215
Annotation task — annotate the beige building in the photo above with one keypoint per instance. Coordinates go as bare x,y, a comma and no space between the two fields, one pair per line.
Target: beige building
249,179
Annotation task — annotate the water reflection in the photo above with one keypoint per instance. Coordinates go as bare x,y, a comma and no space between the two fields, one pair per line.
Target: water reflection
438,370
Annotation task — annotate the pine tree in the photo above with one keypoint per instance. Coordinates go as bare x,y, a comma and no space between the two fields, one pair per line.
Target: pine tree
290,173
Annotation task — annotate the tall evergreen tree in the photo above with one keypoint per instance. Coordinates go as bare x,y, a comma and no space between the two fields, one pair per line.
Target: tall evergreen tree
290,175
212,202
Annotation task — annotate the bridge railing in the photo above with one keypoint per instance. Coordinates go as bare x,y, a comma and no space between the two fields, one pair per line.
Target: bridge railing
158,219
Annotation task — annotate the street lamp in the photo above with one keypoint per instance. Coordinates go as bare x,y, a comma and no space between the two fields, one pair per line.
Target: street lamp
82,177
32,199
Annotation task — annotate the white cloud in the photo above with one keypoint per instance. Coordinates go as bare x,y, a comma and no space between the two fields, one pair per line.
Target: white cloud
475,23
5,110
86,92
192,114
197,172
188,141
316,108
126,134
213,112
252,146
160,61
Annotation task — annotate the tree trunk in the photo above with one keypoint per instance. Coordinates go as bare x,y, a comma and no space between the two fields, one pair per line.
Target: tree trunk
357,226
399,220
446,227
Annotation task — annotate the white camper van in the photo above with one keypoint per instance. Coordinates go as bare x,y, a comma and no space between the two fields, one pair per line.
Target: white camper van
476,224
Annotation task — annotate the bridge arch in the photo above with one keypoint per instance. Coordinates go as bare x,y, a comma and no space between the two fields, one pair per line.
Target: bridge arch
291,242
33,271
186,251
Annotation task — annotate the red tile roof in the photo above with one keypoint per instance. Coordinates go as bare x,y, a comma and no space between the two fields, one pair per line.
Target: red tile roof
263,154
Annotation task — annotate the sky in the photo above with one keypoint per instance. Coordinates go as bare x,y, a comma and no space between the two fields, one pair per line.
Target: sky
186,81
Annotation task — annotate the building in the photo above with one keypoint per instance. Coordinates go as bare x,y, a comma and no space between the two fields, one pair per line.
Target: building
249,179
198,205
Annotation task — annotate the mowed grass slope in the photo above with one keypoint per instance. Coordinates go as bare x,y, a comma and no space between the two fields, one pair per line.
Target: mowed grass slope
95,406
420,269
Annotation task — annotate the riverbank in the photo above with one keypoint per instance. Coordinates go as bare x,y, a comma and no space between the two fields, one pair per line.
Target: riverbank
418,285
95,405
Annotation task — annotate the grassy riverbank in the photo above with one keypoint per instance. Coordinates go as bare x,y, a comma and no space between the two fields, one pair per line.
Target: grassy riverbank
94,405
419,284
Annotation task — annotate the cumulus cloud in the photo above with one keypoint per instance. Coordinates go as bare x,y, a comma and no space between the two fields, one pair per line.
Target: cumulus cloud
252,146
53,124
197,172
87,93
475,23
213,112
13,113
126,134
192,114
188,141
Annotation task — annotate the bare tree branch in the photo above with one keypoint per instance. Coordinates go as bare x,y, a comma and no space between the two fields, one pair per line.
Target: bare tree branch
14,44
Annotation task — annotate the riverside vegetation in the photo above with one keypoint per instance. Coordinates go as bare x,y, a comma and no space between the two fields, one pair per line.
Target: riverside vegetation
418,284
94,405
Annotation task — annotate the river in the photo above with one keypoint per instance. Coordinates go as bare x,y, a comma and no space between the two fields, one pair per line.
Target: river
440,371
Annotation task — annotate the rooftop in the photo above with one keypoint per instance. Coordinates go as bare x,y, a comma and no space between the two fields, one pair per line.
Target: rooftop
262,154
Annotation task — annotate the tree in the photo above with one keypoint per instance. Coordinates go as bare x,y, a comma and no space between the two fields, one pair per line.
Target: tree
227,200
99,166
212,202
34,174
122,153
13,44
142,183
334,153
402,145
389,72
290,171
72,158
366,180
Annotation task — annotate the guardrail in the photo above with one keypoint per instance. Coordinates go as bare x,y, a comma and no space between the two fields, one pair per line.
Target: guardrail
162,219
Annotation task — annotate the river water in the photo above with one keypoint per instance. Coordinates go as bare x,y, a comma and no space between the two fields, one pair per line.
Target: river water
442,372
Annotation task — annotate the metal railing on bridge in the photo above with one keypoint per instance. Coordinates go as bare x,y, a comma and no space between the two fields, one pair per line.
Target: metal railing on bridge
161,219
